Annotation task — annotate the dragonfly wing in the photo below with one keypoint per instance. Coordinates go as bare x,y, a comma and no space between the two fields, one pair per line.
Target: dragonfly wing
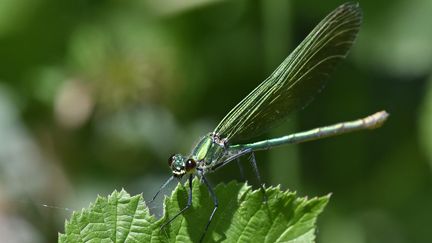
297,79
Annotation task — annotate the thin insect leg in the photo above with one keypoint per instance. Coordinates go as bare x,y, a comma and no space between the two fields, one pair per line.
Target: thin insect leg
161,188
240,169
255,168
215,202
189,203
229,159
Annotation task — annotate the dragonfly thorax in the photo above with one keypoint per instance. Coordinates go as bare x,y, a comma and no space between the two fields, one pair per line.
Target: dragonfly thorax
208,151
181,165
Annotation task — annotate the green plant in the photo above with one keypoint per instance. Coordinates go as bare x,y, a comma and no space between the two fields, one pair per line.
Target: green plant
242,216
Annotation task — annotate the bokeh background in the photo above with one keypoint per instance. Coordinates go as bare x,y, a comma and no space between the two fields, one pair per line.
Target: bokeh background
96,95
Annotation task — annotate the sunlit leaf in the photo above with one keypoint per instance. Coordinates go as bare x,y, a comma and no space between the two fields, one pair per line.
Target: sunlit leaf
242,216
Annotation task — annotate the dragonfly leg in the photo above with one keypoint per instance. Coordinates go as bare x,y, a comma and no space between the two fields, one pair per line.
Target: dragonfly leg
255,168
240,169
215,202
229,159
161,188
189,203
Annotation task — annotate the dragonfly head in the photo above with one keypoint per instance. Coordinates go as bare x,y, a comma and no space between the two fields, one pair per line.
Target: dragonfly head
181,165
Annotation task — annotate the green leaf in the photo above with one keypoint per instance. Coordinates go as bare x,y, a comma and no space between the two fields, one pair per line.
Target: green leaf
242,216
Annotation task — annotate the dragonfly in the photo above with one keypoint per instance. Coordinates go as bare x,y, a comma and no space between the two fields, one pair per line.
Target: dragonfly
289,88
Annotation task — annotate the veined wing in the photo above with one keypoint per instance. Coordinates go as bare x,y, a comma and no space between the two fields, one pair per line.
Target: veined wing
297,80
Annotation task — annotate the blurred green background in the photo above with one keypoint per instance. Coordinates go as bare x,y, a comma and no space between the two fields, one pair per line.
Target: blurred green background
96,95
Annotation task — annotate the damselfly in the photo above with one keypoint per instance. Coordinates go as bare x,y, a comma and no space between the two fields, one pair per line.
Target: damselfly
289,88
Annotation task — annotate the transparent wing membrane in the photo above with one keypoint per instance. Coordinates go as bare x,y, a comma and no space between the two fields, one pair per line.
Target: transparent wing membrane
297,80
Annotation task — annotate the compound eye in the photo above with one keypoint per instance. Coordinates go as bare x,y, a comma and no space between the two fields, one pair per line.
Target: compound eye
190,164
171,159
